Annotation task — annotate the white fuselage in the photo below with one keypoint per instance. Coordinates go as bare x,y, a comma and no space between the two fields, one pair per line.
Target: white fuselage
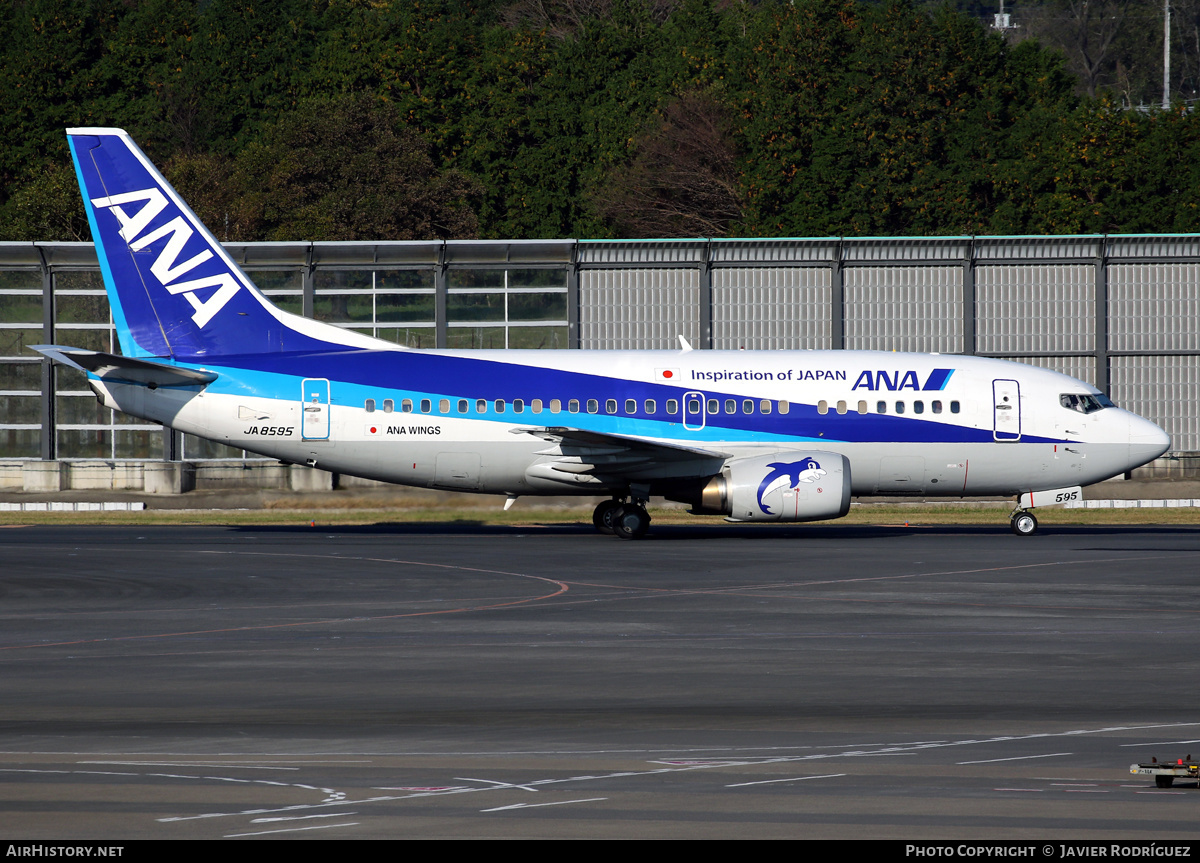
908,423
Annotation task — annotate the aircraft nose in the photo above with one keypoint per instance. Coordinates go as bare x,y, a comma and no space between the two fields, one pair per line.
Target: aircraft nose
1146,440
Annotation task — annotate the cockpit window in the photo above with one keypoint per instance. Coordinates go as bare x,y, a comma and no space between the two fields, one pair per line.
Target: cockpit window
1085,403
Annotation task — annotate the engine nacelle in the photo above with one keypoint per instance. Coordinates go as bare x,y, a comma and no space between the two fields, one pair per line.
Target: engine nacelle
781,486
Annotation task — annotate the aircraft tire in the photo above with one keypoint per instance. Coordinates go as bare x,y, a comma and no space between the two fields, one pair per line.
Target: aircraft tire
1024,524
631,522
602,516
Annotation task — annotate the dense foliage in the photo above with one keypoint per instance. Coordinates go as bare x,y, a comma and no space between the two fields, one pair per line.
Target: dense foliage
399,119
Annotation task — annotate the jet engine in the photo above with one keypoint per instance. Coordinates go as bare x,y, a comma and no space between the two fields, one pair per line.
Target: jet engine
780,486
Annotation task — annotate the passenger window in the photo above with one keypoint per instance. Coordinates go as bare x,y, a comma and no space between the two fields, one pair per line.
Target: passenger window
499,406
406,406
555,406
899,407
610,406
936,407
462,406
822,407
370,405
426,406
573,406
481,406
784,407
880,407
764,406
630,406
693,405
444,406
862,407
518,406
953,407
388,406
918,407
593,406
650,406
536,406
748,406
714,406
672,407
730,406
841,407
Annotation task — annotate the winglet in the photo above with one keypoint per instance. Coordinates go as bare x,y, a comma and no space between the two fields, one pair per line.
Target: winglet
684,347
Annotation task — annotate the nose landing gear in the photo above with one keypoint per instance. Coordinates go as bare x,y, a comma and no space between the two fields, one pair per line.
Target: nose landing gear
1023,523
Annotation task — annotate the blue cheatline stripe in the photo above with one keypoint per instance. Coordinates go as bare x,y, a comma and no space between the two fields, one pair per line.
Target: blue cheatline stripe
358,375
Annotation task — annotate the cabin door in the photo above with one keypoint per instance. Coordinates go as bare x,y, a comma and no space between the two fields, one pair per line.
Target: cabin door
314,409
1006,410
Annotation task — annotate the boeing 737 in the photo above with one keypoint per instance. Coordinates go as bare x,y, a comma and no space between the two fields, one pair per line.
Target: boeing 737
753,435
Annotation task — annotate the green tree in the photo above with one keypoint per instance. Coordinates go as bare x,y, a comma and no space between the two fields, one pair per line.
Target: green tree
46,207
877,119
342,170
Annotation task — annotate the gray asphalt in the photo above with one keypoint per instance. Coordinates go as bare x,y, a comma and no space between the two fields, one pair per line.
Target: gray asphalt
468,681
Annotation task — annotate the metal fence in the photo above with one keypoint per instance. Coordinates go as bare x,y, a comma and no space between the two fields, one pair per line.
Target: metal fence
1120,312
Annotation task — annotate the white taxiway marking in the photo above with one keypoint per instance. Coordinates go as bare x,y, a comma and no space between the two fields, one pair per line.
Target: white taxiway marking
536,805
330,794
790,779
494,783
290,830
1017,758
302,817
782,759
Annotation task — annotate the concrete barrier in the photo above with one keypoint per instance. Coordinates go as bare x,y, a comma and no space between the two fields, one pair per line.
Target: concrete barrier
40,476
168,477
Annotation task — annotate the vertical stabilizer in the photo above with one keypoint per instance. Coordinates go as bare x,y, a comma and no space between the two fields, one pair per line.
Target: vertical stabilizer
174,290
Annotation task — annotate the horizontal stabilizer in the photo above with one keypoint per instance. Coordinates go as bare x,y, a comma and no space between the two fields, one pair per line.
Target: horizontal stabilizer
111,367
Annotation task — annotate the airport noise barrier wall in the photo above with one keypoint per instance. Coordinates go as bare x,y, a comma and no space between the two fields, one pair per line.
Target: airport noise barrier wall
1120,312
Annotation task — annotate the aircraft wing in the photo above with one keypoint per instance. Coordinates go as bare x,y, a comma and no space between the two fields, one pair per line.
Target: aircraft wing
579,452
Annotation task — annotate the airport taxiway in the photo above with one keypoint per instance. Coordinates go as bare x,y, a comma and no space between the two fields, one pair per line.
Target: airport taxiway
467,681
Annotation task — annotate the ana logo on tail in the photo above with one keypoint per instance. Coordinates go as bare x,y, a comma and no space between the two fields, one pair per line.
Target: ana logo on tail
807,470
167,267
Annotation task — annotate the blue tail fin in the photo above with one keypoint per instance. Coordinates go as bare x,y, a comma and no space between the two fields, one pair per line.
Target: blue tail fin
173,289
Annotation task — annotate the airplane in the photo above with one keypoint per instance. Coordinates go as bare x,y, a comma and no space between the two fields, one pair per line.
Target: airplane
774,436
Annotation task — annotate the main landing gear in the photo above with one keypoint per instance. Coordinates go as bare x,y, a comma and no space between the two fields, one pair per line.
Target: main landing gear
1023,523
628,520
